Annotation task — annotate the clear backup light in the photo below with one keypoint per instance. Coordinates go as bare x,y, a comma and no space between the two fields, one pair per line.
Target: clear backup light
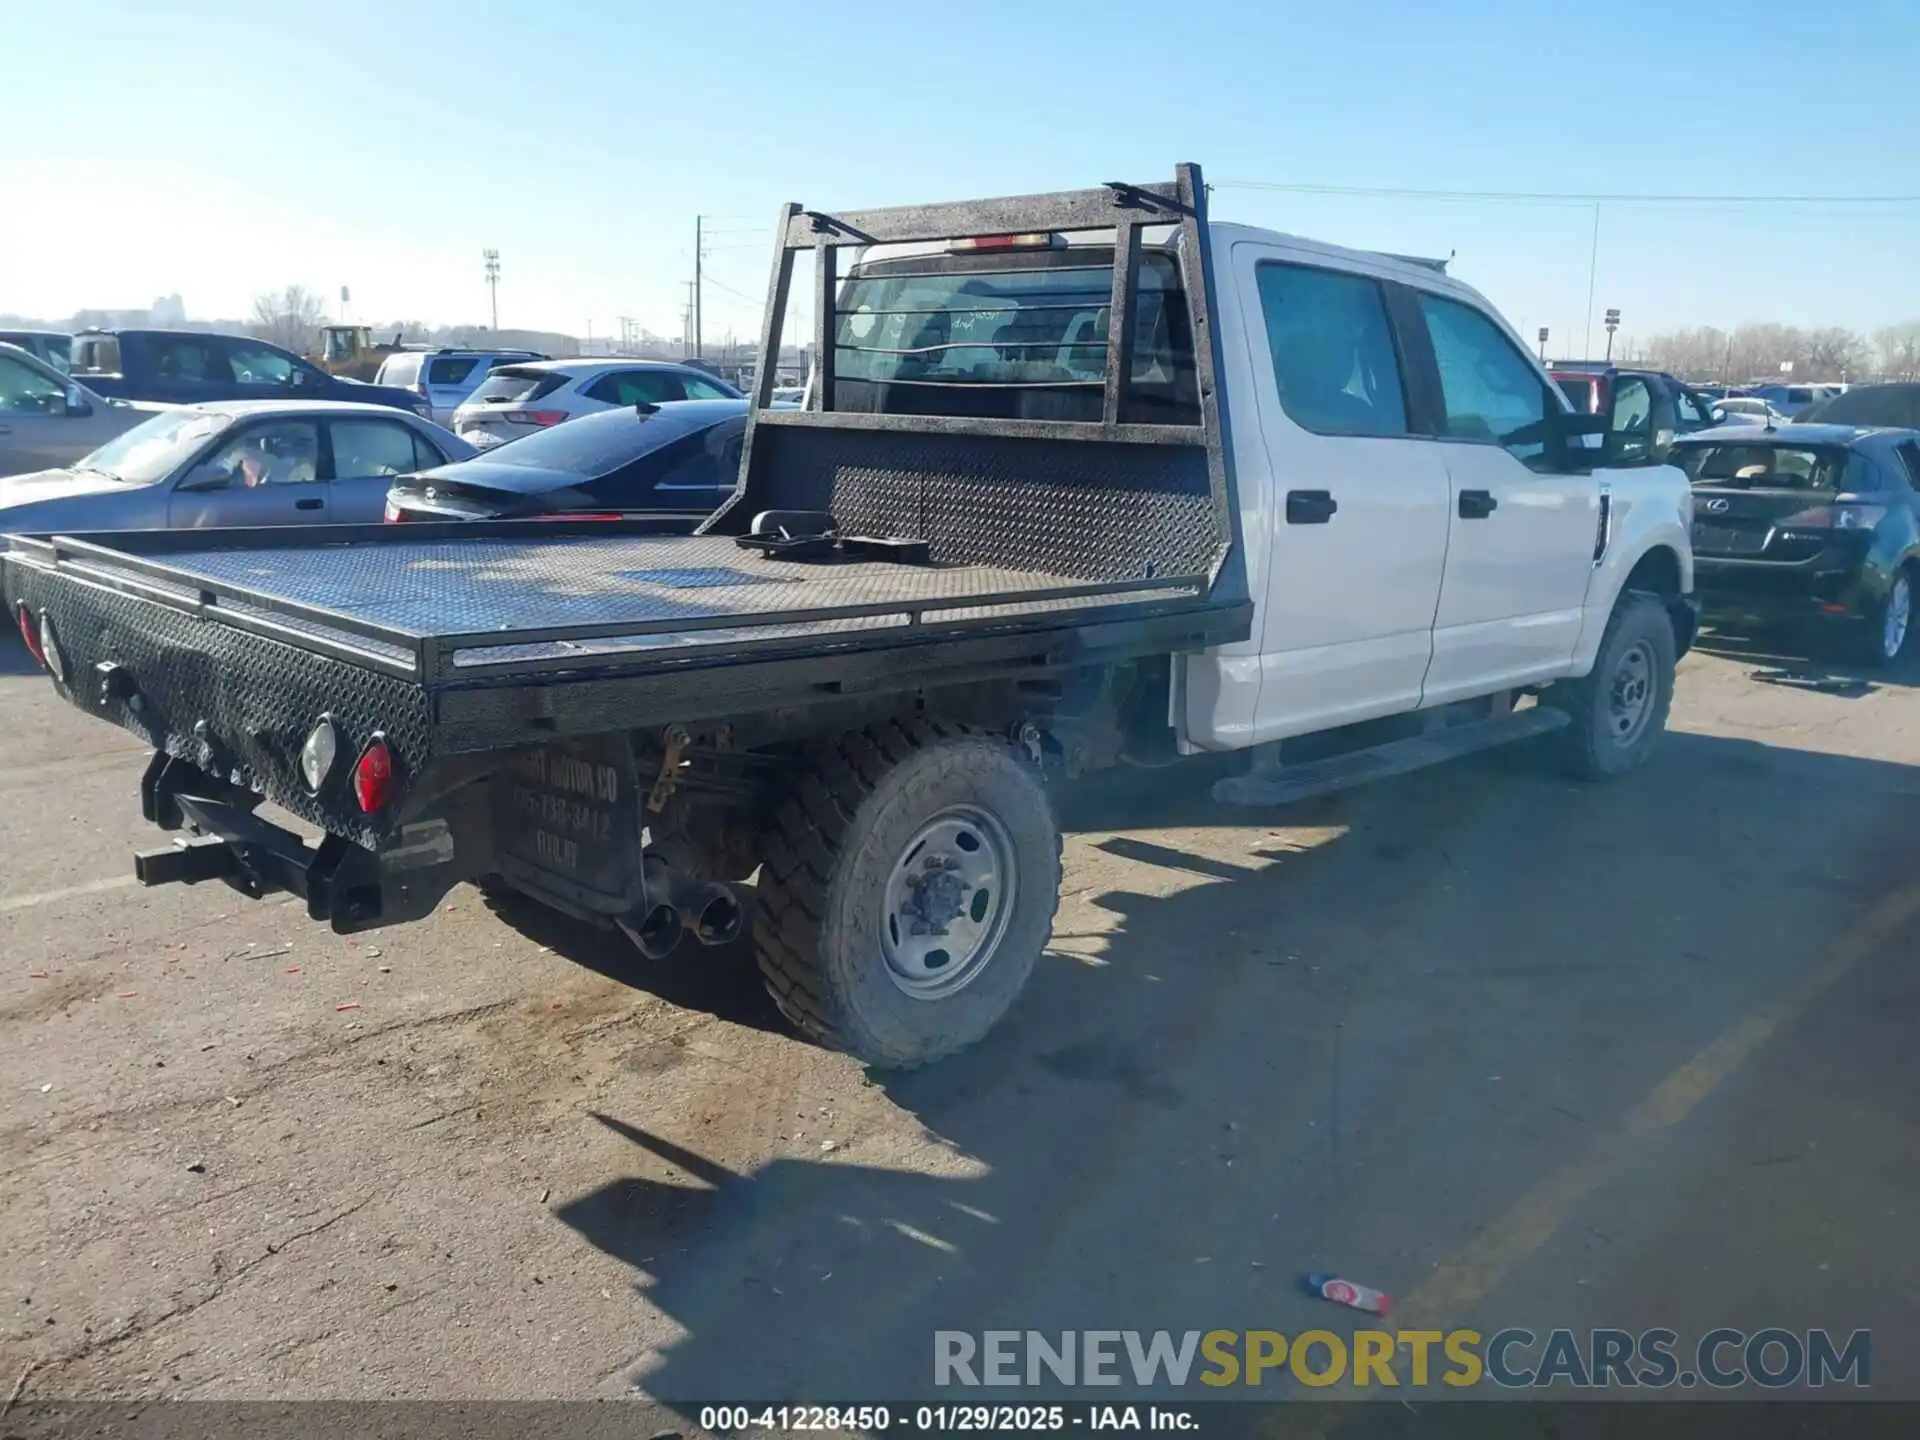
50,650
318,755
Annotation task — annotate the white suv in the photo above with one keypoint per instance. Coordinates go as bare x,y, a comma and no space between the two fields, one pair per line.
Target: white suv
447,376
518,400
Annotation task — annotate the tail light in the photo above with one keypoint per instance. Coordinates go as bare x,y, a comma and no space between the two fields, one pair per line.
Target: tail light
391,515
1039,241
373,777
318,754
535,417
30,633
1835,517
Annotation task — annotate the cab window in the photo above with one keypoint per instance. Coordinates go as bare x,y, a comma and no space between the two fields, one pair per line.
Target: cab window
1333,354
1490,391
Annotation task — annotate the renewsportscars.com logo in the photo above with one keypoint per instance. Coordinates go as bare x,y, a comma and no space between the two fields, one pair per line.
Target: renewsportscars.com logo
1514,1359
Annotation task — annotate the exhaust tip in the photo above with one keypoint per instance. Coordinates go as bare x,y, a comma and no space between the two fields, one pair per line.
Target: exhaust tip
657,933
719,919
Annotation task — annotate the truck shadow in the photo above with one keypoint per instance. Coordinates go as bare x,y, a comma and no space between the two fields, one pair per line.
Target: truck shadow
14,659
1805,659
1277,1057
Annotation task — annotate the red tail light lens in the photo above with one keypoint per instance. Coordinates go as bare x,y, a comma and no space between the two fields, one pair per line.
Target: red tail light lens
534,417
373,777
30,632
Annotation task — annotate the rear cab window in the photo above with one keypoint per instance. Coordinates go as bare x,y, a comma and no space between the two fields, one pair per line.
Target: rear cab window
1014,333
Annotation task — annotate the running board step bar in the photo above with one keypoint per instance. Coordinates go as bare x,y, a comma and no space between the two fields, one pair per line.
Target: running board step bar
1396,757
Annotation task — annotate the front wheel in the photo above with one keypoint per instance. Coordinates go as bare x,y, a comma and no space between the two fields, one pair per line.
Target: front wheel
909,887
1618,711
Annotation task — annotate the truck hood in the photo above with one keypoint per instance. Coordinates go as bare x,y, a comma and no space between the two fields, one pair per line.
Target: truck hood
38,485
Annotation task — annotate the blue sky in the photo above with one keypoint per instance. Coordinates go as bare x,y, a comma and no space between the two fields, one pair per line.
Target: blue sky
220,150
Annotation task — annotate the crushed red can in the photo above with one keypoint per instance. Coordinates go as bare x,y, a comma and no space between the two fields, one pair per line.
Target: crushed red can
1347,1292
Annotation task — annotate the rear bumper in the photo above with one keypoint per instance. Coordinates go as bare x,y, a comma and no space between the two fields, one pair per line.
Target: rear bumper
1811,587
346,886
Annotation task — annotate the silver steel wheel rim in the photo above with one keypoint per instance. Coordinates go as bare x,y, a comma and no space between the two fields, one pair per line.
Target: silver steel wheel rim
949,901
1630,692
1893,631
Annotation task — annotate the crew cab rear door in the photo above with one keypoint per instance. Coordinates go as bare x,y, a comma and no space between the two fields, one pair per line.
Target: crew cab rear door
1522,516
1353,504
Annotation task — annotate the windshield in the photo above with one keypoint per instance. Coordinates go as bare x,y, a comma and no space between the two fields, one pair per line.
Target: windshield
150,452
511,384
1765,467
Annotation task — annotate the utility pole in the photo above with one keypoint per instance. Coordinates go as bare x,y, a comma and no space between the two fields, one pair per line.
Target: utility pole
698,349
492,257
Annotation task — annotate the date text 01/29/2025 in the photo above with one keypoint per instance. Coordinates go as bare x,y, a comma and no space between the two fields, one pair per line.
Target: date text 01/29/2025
936,1419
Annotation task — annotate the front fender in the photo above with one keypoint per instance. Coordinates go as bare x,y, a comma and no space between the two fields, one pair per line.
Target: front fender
1650,521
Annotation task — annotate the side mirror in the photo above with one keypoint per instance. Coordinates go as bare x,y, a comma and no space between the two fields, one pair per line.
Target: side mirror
77,405
207,477
1718,414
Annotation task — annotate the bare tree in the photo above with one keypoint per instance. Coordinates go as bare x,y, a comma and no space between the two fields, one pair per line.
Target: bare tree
1897,351
291,318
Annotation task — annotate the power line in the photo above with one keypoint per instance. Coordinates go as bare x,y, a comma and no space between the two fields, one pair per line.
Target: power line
1560,197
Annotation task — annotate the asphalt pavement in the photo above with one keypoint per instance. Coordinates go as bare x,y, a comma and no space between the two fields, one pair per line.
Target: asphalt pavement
1520,1051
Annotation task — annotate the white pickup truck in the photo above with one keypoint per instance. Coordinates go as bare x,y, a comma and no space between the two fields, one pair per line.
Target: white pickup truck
1082,479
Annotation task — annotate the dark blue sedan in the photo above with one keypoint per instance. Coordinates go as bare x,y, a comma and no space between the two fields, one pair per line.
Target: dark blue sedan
676,458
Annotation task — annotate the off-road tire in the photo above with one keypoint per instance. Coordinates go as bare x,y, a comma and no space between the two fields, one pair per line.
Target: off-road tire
838,833
1589,749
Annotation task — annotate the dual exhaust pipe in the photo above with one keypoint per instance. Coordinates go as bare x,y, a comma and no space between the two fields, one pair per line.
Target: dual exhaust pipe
678,905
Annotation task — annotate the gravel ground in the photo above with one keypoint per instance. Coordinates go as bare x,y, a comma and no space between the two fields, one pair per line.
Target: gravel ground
1519,1051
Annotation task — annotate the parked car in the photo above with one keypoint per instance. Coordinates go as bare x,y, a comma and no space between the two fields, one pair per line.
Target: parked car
1590,386
1792,400
790,395
55,347
1896,403
191,367
1747,410
49,419
521,399
444,378
1813,522
682,457
235,462
1033,581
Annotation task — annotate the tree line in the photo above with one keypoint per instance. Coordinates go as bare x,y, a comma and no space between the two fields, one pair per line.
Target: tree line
1757,353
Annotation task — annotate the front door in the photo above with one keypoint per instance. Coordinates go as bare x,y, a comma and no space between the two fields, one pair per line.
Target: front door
1357,517
264,474
1522,516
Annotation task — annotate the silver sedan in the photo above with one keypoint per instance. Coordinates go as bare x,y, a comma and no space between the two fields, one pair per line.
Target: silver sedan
237,462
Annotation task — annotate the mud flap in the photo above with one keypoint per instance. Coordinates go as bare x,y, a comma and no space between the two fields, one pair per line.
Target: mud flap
567,826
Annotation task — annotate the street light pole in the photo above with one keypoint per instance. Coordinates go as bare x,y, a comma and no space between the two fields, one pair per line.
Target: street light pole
492,257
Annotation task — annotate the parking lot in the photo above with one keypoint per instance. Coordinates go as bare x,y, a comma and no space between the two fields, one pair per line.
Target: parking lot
1518,1051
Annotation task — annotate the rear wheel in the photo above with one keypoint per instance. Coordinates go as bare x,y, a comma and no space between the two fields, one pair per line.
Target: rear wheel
1889,624
910,884
1619,709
